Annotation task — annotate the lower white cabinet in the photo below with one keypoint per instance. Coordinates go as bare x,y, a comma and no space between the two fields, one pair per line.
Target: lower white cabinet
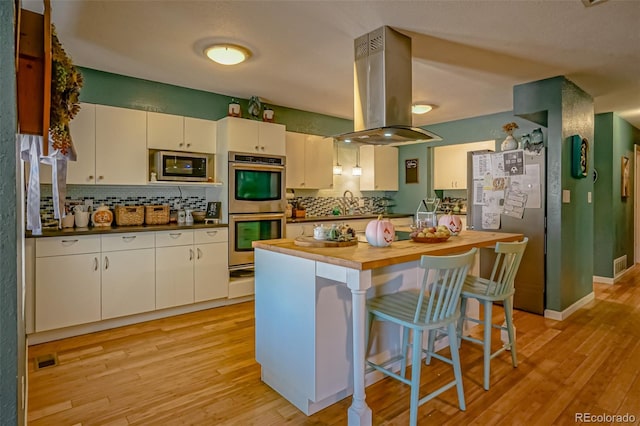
67,290
191,267
128,274
67,283
211,266
84,279
174,268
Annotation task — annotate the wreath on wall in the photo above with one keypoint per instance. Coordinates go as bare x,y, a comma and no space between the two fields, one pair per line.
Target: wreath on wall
66,82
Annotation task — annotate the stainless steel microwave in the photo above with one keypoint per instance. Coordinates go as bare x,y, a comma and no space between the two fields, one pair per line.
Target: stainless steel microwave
181,166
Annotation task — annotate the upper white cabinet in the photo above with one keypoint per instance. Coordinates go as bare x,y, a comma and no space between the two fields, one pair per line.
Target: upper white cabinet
379,168
309,161
450,164
83,135
111,147
178,133
243,135
121,151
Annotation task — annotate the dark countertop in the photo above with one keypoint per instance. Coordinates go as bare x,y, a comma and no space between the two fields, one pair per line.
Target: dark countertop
345,217
120,229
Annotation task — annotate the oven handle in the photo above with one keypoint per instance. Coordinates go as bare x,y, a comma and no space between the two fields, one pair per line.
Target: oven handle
253,166
249,217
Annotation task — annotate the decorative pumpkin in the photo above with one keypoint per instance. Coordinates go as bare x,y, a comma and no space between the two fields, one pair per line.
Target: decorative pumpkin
452,222
380,232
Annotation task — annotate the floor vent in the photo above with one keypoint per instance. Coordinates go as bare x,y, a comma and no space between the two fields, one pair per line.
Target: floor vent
48,360
619,265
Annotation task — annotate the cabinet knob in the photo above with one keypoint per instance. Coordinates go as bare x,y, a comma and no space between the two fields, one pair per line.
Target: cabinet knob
181,144
199,253
256,147
100,177
262,148
106,263
190,254
188,145
90,177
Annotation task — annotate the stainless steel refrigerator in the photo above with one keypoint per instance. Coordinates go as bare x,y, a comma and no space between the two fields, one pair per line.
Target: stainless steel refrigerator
522,209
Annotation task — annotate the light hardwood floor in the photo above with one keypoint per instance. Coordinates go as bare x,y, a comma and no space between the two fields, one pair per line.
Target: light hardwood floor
200,369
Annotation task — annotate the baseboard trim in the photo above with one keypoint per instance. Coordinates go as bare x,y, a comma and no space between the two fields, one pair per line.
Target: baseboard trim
609,280
77,330
561,316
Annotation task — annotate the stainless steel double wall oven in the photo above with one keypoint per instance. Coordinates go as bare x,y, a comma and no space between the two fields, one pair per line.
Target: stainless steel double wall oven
257,203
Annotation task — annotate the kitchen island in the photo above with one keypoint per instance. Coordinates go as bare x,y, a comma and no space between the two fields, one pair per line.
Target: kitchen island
310,313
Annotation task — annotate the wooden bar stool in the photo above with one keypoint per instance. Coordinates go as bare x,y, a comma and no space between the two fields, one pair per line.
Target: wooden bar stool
433,307
498,288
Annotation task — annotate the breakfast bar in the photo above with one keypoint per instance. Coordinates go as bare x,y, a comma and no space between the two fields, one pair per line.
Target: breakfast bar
310,306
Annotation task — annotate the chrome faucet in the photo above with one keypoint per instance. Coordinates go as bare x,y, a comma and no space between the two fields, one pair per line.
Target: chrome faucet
351,204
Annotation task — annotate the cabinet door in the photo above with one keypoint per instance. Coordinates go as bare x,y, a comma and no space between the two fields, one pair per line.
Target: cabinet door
83,135
241,134
386,168
318,162
128,282
211,271
165,131
295,151
379,168
448,167
174,276
200,135
271,138
121,151
67,290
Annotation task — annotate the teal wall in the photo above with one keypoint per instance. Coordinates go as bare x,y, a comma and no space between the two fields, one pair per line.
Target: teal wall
128,92
482,128
10,369
614,138
565,110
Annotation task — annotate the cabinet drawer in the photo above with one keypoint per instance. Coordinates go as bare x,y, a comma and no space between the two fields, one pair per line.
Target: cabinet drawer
174,238
73,244
215,235
128,241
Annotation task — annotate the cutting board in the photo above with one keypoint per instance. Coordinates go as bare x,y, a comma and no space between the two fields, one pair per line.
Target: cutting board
312,242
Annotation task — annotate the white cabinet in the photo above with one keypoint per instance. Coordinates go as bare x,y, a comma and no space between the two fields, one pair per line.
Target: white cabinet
83,136
110,144
243,135
309,161
379,168
67,281
178,133
211,268
174,268
121,151
450,164
128,274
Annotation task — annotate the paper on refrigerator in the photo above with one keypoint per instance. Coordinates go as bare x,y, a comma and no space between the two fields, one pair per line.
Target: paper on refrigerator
528,183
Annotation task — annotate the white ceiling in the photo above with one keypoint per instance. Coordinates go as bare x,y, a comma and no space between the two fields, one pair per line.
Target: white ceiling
467,54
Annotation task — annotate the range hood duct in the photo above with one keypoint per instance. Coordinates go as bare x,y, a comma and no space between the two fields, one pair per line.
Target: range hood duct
382,91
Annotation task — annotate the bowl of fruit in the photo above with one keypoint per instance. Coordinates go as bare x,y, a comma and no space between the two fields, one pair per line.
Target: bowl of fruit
432,234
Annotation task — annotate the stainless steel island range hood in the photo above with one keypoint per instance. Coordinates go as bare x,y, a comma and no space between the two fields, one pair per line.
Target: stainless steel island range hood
382,91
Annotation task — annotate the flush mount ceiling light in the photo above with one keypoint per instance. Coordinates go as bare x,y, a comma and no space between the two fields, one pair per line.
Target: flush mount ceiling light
227,54
421,108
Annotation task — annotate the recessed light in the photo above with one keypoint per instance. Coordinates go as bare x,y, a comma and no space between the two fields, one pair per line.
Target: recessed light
227,54
421,108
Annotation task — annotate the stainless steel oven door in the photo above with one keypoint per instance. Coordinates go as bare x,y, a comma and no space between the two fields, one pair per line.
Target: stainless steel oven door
247,228
256,188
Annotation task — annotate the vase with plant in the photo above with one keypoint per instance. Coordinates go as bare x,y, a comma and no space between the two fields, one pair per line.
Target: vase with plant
510,141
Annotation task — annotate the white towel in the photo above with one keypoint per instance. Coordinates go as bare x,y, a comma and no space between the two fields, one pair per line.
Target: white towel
31,151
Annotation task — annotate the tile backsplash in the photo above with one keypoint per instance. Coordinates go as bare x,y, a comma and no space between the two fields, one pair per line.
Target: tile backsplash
175,196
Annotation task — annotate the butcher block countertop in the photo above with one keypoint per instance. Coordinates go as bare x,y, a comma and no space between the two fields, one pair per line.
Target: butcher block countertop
364,256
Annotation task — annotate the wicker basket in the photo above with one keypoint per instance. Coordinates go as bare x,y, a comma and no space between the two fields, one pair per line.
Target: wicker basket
156,215
129,215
